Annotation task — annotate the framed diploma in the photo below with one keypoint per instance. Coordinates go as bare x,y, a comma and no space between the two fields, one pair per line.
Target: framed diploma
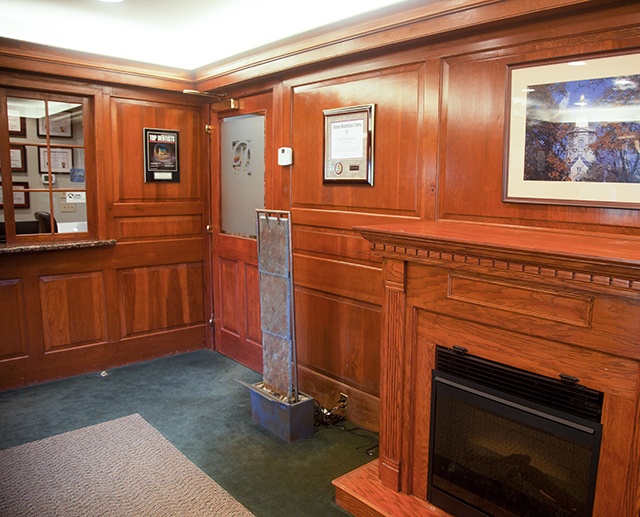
348,144
60,159
60,126
18,158
20,195
17,124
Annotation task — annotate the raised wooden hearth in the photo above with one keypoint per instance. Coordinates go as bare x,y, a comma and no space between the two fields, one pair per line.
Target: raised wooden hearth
546,301
361,492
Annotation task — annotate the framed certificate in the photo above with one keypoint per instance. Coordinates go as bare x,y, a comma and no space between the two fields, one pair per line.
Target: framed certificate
348,144
20,195
61,160
60,126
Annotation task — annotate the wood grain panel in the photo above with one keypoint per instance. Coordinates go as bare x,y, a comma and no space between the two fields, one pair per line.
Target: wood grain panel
533,301
13,342
136,228
73,310
331,242
597,328
339,337
252,303
362,493
471,182
393,354
618,463
129,118
396,92
345,279
231,282
163,297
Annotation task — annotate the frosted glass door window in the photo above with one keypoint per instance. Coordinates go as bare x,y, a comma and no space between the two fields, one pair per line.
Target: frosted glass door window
242,173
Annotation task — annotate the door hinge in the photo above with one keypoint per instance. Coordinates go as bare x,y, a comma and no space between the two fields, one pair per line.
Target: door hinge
207,129
209,228
211,321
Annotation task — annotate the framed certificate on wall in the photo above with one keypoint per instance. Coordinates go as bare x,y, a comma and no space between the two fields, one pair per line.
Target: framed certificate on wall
348,144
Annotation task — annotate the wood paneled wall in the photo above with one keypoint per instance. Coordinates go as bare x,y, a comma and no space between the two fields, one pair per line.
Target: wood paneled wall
68,312
438,78
439,154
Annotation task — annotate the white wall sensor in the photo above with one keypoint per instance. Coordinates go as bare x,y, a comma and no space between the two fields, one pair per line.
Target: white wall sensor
285,156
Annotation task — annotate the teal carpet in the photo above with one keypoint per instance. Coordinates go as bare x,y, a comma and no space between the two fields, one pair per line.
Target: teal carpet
196,403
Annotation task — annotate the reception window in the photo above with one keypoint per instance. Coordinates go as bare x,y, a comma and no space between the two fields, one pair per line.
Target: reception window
50,172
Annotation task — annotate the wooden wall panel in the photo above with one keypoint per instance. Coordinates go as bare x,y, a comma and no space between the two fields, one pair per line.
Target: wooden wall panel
156,298
136,228
252,300
339,337
396,92
13,342
231,290
332,242
129,119
354,281
73,310
472,129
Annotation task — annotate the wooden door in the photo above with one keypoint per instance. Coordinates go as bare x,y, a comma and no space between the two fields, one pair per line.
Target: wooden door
240,145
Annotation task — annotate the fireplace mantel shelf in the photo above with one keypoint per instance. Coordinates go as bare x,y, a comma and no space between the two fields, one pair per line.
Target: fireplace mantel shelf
585,251
547,301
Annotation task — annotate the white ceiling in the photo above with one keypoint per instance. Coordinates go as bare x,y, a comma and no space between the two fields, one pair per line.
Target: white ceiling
185,34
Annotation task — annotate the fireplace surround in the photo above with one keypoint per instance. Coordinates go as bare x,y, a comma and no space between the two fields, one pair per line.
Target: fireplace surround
505,441
545,301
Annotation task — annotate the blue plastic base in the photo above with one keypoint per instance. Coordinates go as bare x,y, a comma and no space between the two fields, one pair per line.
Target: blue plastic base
290,422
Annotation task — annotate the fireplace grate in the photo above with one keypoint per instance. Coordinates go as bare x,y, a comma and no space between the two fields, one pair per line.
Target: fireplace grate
564,394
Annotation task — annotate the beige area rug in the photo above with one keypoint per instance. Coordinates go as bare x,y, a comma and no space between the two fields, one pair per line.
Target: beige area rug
119,468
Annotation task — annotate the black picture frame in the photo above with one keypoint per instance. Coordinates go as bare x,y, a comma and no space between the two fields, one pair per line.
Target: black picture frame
161,155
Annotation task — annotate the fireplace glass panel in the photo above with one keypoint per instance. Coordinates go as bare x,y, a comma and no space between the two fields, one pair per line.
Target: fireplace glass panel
498,455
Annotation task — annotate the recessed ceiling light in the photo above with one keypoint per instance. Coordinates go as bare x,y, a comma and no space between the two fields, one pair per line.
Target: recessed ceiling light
111,1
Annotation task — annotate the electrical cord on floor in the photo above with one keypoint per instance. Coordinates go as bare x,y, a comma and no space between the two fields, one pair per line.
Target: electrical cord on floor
328,418
325,416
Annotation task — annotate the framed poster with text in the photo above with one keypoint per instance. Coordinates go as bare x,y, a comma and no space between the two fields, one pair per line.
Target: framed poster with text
161,155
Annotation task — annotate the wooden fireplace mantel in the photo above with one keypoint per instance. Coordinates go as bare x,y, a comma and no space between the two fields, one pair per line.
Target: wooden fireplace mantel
547,301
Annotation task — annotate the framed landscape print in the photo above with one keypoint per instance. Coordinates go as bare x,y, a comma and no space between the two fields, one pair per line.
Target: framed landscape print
573,133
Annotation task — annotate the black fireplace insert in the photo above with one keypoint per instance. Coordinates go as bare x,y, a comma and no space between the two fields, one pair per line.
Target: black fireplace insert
506,442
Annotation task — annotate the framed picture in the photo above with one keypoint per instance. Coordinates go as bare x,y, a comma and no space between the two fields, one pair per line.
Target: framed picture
18,158
161,155
61,160
17,124
348,144
20,195
573,133
60,123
